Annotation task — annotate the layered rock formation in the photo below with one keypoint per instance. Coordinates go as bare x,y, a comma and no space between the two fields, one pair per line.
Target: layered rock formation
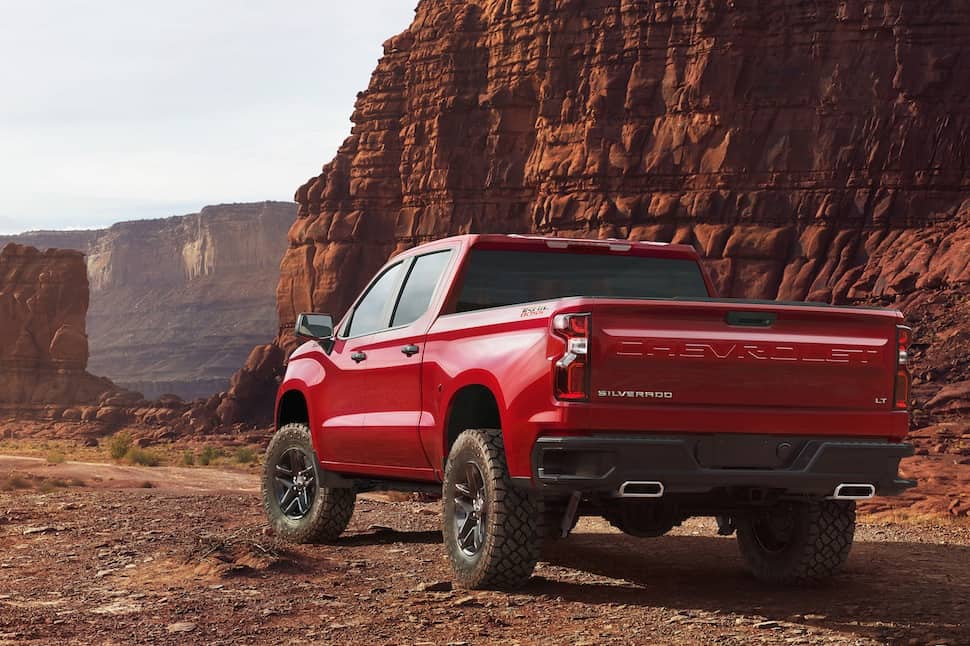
808,150
43,345
177,303
45,388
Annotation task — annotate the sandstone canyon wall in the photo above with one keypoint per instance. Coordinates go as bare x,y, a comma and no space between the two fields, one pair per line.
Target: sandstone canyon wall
43,344
177,303
45,389
809,150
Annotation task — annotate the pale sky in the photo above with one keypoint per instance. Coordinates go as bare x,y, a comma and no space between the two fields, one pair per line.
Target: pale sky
116,110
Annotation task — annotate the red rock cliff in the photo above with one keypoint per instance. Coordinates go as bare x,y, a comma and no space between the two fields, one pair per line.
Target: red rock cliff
43,345
808,150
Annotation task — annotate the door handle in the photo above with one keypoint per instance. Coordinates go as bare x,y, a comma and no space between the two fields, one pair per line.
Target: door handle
358,357
410,350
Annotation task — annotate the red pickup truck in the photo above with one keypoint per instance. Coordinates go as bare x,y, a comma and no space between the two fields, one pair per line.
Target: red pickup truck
532,380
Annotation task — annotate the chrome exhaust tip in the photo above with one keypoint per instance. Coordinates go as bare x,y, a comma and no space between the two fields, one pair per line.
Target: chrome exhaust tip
854,492
641,489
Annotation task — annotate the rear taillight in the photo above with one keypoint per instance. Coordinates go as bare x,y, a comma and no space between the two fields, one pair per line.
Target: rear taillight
572,369
904,337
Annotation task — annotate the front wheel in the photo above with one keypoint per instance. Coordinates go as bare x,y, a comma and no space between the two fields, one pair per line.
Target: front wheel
797,543
491,529
299,507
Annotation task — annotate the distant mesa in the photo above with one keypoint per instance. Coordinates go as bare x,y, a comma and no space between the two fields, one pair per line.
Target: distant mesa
176,304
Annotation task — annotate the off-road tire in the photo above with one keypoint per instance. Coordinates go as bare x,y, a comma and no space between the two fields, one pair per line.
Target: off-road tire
331,509
818,546
512,518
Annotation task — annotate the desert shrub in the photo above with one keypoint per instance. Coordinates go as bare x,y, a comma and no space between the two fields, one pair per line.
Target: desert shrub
148,484
245,455
208,455
188,458
55,456
119,445
15,482
47,486
140,456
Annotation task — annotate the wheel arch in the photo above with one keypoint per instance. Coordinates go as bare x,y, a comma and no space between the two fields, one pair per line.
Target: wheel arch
298,396
473,405
292,407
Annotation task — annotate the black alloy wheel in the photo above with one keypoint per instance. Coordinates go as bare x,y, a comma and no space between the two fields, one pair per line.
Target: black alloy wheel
300,506
296,483
774,531
492,529
471,510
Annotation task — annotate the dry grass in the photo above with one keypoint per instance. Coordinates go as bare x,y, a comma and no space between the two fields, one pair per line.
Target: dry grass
14,483
143,457
73,450
246,455
56,456
180,453
208,455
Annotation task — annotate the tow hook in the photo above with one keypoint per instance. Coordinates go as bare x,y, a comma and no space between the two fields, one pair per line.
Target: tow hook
725,525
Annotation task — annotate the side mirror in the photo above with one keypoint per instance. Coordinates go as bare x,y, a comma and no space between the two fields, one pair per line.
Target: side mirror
318,327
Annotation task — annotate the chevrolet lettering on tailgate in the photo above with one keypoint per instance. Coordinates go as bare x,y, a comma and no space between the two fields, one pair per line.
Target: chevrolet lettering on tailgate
807,353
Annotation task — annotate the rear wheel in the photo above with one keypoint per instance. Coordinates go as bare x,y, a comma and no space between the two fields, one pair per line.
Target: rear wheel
797,543
491,529
299,507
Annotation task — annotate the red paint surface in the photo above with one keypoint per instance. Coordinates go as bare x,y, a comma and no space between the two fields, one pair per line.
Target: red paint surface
817,370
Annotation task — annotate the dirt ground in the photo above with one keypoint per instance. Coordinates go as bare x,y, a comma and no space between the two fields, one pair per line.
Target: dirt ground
117,555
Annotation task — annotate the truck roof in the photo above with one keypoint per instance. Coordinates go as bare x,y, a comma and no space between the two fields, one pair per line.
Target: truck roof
517,241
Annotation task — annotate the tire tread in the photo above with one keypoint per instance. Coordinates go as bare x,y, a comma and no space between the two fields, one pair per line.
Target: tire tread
332,508
511,553
827,532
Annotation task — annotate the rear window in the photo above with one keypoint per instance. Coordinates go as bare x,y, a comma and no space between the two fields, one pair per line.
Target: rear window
497,278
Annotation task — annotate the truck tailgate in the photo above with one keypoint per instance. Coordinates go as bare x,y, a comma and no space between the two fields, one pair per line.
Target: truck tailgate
657,353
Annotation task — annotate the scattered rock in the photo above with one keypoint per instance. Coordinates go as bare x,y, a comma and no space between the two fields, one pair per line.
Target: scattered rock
181,627
466,601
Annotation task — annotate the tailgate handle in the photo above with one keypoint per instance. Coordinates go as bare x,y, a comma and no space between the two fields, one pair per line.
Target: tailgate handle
751,319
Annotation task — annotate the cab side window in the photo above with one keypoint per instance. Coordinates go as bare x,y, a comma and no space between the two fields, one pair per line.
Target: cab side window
420,287
373,312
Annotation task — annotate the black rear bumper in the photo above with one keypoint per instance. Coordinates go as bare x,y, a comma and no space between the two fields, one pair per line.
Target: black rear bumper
691,464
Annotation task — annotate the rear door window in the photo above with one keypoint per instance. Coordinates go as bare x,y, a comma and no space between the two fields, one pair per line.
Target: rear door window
422,281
